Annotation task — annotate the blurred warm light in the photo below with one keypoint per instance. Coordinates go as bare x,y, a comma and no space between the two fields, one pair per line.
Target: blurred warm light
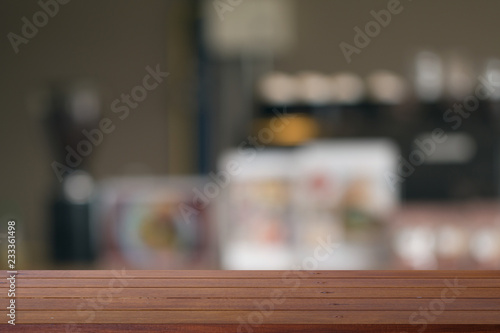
299,128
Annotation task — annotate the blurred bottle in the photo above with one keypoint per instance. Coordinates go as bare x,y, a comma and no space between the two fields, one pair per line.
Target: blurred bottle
73,111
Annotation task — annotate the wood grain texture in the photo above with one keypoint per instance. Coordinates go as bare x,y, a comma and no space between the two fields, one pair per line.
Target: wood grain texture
254,301
253,283
218,274
249,293
264,328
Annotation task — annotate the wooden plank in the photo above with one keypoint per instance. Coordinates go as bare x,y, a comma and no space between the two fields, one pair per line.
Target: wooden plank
263,328
217,274
271,317
76,304
239,283
256,292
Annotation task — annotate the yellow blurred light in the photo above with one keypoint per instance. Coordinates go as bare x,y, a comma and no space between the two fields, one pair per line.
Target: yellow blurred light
297,129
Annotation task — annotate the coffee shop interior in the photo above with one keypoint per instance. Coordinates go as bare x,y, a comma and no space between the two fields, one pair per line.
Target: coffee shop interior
250,134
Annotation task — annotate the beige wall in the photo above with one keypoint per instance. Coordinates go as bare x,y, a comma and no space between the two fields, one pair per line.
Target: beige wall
109,41
471,26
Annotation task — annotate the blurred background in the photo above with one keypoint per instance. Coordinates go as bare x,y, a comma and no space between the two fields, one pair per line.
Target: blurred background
250,134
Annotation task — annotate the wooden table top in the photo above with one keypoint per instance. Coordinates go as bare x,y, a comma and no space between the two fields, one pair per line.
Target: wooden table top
253,301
